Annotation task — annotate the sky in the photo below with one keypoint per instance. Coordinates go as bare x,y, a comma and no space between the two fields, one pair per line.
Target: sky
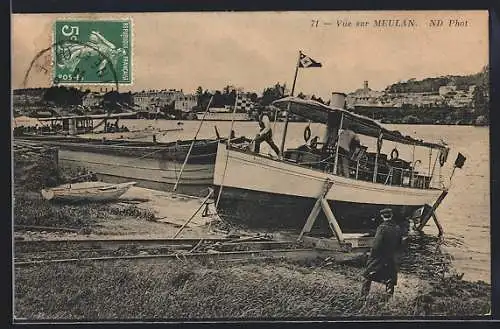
254,50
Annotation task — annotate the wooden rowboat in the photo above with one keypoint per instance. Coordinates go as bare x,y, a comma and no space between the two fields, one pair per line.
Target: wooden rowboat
87,191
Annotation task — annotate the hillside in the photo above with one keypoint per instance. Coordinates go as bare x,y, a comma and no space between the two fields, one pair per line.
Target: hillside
476,113
433,84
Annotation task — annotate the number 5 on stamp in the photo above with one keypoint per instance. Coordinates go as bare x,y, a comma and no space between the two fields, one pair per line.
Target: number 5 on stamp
92,52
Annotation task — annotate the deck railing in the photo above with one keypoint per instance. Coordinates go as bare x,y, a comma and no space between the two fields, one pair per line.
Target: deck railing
363,169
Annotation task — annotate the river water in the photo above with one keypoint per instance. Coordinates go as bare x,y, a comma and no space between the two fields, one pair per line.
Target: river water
464,213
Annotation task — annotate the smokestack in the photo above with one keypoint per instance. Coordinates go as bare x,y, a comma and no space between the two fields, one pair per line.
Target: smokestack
338,100
365,85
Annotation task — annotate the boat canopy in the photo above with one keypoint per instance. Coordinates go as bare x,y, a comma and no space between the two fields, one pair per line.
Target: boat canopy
318,112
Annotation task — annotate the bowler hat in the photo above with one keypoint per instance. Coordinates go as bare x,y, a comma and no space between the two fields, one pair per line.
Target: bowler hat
386,212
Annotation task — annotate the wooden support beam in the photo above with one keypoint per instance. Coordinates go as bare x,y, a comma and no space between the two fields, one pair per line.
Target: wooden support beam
332,221
311,219
428,214
439,227
315,211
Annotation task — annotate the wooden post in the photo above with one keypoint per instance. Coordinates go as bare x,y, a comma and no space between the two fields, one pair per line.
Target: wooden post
425,217
433,168
412,166
439,227
311,219
337,147
315,211
285,128
332,221
375,167
430,159
322,203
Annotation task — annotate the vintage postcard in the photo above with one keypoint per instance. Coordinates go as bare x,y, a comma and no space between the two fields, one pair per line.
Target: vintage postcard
251,165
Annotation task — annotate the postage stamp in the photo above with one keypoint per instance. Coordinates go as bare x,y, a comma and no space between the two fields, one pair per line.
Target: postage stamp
92,52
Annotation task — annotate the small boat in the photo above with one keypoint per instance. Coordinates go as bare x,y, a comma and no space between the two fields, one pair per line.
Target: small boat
87,191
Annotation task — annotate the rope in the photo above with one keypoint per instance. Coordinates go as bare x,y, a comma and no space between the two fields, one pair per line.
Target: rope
192,144
227,156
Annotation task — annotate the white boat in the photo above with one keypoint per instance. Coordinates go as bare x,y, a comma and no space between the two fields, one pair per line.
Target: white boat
223,116
262,191
87,191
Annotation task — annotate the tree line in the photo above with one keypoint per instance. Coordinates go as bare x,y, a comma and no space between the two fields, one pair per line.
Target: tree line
432,85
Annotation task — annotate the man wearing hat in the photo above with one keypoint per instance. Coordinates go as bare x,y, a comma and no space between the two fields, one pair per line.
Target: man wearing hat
382,263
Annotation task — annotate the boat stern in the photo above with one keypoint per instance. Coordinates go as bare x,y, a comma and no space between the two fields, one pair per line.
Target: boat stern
220,164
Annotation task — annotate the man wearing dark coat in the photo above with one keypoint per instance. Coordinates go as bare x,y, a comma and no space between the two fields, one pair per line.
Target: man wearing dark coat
382,263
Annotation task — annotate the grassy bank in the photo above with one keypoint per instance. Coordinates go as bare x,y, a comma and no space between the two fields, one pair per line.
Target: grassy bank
281,289
200,291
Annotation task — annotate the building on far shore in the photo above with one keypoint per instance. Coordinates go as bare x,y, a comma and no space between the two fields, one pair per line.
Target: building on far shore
151,99
185,103
446,96
364,97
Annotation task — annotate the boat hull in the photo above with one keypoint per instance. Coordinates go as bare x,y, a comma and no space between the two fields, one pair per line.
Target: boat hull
203,151
157,174
154,166
262,192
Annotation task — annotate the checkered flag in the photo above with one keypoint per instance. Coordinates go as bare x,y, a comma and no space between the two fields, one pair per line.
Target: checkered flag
306,61
244,103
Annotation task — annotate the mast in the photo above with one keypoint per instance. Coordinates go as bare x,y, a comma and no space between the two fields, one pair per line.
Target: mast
282,146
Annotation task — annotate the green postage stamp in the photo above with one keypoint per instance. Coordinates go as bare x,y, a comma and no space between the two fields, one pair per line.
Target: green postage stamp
92,52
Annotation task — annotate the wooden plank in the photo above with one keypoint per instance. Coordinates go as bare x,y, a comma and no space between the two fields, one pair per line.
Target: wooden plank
332,221
321,243
292,254
311,219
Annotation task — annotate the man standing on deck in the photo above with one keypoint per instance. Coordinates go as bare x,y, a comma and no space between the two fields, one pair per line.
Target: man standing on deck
347,140
382,264
265,134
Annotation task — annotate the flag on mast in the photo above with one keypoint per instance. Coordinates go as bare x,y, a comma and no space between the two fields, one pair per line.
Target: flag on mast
306,61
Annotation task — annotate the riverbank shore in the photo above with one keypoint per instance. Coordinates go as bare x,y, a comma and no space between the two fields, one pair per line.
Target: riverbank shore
246,290
181,289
